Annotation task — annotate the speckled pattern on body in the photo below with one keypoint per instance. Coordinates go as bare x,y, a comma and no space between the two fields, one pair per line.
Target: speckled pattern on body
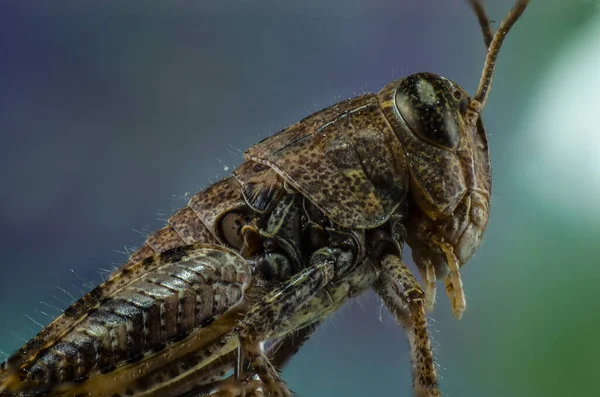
345,159
140,311
241,277
261,186
215,201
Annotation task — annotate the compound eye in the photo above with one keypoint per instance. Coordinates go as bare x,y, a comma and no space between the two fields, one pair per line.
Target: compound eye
429,109
232,229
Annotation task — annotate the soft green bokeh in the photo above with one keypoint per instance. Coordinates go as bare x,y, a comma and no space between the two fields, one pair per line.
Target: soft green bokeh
534,319
549,273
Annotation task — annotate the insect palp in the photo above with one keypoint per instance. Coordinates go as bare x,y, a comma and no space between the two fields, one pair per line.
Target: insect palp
315,215
429,281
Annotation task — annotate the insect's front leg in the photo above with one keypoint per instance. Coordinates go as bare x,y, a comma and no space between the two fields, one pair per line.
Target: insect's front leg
266,316
403,296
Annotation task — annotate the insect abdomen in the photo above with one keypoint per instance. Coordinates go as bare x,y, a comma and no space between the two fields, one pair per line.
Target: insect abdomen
159,308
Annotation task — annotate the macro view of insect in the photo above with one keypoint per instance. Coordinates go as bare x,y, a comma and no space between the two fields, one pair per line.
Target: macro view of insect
222,297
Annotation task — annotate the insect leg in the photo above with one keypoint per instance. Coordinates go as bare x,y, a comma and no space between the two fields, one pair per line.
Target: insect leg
402,294
281,352
265,316
233,388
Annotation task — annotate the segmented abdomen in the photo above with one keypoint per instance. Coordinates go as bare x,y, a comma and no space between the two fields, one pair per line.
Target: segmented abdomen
154,300
159,307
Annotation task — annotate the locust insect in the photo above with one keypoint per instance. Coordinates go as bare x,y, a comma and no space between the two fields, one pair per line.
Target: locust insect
317,214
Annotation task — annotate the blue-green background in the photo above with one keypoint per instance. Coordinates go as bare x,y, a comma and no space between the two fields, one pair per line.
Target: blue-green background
113,112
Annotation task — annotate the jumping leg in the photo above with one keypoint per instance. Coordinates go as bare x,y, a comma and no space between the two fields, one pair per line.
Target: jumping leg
265,317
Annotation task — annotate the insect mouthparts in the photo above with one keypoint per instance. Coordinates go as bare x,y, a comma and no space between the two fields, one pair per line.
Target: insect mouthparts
218,300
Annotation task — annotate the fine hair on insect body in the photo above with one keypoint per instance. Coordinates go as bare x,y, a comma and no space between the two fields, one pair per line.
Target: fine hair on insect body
317,214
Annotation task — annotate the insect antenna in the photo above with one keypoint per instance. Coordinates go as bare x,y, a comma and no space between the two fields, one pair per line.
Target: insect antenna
489,67
484,21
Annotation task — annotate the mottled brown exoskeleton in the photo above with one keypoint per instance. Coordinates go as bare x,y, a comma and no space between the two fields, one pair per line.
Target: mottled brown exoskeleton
317,214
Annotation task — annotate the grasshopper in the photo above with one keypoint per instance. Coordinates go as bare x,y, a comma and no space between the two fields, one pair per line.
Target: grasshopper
317,214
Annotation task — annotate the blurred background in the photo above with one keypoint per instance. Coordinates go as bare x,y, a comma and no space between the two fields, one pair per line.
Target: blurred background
113,113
